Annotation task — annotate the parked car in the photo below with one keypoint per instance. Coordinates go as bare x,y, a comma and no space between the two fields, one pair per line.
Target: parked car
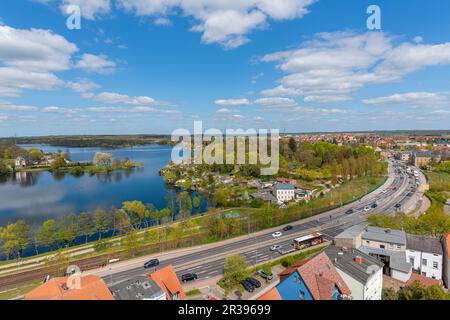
247,286
151,263
349,211
287,228
254,282
366,208
398,205
275,247
374,205
189,277
263,275
277,234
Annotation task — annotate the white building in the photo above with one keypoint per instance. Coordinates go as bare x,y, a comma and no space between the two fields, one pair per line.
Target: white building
20,162
425,255
284,192
362,273
386,245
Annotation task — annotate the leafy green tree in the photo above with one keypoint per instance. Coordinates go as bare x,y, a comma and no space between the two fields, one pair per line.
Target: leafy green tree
7,155
235,269
165,214
46,235
58,163
120,221
3,168
137,211
184,204
68,229
101,222
9,242
86,225
103,159
22,235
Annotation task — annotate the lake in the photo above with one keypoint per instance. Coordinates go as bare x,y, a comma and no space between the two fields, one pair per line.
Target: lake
37,196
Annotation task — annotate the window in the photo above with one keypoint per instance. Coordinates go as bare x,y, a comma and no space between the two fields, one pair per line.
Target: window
382,246
367,242
411,260
302,295
399,246
424,262
435,265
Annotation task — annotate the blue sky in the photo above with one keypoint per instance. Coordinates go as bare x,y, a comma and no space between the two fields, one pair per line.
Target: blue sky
151,66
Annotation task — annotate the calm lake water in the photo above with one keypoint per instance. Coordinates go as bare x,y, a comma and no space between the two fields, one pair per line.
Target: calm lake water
38,196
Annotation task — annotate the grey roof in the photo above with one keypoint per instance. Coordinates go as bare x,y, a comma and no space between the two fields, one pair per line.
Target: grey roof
345,261
284,186
352,232
264,195
397,259
423,244
137,288
385,235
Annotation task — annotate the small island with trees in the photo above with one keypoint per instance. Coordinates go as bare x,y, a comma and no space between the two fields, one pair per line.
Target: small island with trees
16,159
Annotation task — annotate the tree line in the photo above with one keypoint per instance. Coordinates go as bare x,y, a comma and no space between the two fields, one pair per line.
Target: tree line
323,160
63,232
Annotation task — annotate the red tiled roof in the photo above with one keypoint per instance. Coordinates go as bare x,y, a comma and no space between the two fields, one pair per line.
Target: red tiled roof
272,294
423,280
91,288
167,279
320,277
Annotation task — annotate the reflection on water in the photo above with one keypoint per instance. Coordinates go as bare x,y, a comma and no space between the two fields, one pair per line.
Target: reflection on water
36,196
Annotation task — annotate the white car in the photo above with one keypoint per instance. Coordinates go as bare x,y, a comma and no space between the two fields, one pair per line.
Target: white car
275,247
366,208
277,234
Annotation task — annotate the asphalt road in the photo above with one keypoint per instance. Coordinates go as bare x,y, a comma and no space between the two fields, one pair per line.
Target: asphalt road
256,248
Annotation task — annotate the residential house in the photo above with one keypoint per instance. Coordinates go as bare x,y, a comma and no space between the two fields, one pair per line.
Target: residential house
20,162
405,157
138,288
422,158
386,245
446,259
301,194
284,192
89,288
287,180
265,195
425,255
362,273
167,280
312,279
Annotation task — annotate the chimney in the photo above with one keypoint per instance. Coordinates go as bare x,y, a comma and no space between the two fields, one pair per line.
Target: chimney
358,260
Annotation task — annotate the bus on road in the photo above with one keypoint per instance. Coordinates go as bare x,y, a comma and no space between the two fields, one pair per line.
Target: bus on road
309,240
